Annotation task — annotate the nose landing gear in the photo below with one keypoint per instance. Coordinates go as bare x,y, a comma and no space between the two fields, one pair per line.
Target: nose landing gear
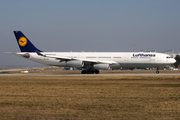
157,70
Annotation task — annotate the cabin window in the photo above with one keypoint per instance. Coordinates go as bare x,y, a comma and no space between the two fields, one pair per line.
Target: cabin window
168,57
104,57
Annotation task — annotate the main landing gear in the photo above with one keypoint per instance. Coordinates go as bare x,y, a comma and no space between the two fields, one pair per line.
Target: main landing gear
90,71
157,70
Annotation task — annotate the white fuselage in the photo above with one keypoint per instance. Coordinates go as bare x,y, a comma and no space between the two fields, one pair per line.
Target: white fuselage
123,59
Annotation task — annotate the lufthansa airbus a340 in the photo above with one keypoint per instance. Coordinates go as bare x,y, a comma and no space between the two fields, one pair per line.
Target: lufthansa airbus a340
91,62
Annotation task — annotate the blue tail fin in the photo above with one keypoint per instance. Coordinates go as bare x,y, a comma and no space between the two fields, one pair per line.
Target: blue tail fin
24,44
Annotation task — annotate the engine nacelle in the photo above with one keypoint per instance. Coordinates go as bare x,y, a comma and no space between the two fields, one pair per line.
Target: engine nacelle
115,66
101,66
75,63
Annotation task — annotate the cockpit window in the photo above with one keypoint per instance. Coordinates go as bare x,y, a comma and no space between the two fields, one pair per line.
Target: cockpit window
169,57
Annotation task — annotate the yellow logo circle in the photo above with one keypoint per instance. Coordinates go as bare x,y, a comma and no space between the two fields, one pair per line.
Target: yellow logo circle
22,41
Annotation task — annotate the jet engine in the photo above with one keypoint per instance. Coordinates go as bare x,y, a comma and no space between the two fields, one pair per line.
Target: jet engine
101,66
75,63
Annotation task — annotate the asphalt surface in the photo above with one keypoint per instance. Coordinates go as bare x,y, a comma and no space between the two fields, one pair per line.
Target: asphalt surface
123,74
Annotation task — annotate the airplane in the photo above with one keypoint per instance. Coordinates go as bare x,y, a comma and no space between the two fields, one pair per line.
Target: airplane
91,62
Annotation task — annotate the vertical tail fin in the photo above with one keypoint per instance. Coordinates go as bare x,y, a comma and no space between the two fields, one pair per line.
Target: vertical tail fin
24,44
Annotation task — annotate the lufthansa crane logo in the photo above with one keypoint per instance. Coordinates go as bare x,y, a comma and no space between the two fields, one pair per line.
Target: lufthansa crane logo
22,41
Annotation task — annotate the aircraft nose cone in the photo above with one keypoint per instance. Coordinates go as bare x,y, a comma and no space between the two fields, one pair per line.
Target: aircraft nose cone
174,60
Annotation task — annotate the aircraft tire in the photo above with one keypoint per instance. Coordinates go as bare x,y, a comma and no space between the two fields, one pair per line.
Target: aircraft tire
92,71
157,72
96,71
83,72
89,72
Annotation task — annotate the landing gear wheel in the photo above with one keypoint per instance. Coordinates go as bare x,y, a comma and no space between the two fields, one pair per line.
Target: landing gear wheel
91,71
83,72
96,71
157,70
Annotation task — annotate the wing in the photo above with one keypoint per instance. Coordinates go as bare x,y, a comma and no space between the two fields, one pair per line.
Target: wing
63,58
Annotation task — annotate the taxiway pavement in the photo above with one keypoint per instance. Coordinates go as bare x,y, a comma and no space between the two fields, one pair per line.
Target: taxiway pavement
133,74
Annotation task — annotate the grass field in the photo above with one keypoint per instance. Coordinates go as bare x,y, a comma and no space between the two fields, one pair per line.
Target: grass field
89,98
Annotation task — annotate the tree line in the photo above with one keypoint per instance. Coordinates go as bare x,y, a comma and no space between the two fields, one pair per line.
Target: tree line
177,63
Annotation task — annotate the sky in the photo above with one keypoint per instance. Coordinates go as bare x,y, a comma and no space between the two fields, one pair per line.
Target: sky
89,25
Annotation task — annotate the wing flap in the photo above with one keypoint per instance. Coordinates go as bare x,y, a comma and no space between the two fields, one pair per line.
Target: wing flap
59,57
